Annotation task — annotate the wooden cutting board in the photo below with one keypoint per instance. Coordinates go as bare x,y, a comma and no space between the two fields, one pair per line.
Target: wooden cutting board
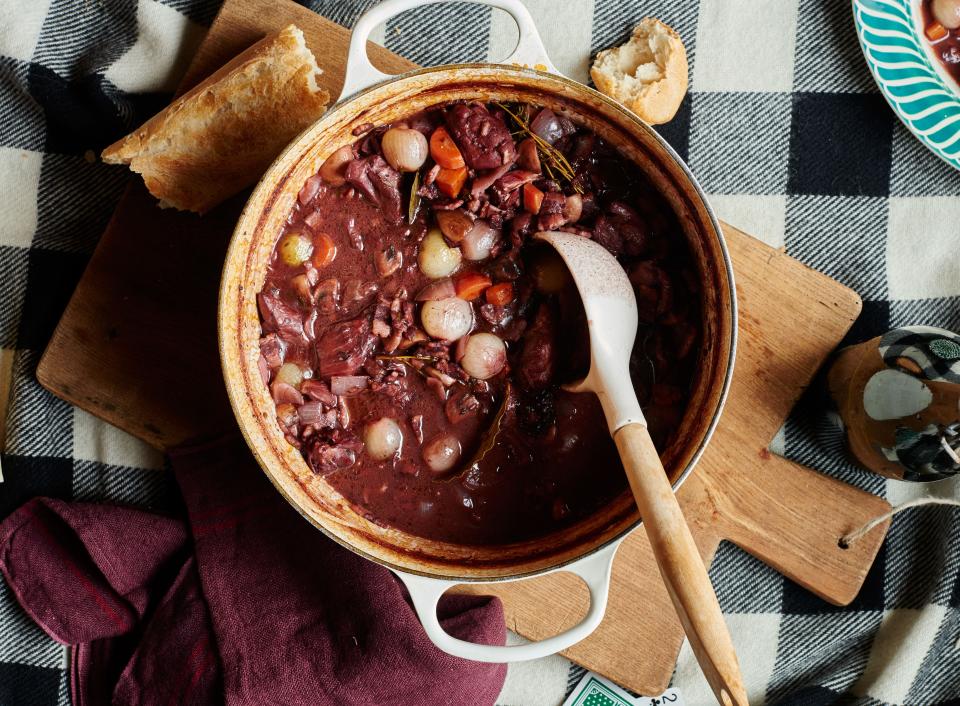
137,347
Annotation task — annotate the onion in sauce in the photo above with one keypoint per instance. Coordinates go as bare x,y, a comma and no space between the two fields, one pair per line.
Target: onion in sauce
382,438
406,150
484,355
347,384
447,319
550,127
334,167
436,258
442,452
290,373
311,412
478,243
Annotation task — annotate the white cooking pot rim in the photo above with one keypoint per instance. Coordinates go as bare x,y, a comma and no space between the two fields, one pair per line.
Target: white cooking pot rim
341,104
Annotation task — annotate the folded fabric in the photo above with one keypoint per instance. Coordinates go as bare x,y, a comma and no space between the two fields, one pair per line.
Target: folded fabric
259,608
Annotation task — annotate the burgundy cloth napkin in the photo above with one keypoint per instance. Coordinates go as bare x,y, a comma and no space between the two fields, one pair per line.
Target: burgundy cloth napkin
247,603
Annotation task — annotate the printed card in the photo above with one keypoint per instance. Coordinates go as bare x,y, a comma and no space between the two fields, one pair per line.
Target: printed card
594,690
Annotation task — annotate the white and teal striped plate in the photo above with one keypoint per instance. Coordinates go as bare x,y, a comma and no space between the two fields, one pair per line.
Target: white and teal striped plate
911,78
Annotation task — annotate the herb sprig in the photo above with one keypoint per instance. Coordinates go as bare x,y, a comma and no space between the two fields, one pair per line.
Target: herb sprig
414,205
411,356
550,154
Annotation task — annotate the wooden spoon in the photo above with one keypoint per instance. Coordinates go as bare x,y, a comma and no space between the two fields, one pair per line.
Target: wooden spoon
611,310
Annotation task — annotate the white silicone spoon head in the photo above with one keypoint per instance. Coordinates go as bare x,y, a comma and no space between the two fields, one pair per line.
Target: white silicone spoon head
611,310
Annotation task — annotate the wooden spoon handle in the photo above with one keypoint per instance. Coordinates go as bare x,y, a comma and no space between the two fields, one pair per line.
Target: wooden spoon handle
680,564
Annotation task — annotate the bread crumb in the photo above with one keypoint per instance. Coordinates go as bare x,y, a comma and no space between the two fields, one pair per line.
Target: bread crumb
648,74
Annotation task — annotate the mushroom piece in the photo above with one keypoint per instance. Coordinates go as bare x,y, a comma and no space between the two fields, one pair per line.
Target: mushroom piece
388,260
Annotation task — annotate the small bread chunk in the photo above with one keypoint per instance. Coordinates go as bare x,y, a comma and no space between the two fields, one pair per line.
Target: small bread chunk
648,74
221,136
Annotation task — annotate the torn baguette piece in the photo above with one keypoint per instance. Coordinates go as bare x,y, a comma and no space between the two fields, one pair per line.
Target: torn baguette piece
221,136
648,74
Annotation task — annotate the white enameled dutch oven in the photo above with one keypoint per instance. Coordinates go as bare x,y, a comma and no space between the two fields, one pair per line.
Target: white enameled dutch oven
429,567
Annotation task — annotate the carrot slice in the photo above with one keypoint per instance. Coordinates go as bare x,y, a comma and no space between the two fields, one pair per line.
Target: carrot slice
450,181
532,198
500,294
324,250
935,32
444,150
470,285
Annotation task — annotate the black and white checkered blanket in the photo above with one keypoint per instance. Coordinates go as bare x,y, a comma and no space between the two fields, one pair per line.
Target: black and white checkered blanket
788,135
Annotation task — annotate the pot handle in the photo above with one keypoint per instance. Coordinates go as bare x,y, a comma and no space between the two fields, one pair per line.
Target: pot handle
361,73
595,571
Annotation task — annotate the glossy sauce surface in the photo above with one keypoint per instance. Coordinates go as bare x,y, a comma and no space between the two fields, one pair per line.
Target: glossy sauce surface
533,457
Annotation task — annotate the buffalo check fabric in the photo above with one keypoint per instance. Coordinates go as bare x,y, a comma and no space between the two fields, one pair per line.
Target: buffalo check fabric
784,129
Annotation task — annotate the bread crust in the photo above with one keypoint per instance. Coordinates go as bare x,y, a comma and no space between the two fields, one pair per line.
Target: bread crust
654,98
220,136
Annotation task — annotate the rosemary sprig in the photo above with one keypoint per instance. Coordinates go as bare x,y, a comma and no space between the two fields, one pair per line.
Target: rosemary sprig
546,165
414,205
411,356
550,153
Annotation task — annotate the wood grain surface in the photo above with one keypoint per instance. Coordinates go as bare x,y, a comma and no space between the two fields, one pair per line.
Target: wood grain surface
789,516
683,571
137,347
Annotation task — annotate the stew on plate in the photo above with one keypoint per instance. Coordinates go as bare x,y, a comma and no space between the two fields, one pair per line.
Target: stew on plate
415,337
941,27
